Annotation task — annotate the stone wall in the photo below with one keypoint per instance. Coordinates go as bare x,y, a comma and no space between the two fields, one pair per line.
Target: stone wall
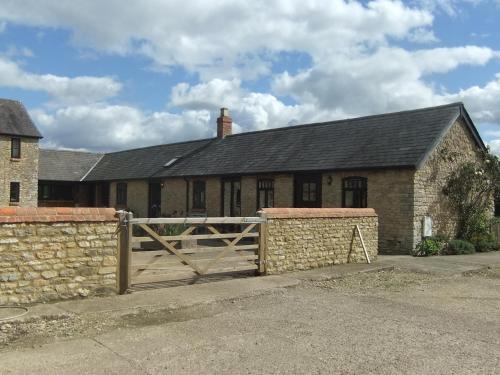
306,238
457,146
23,170
56,253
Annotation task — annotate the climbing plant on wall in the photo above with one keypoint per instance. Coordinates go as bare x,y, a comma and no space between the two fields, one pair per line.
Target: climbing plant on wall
470,189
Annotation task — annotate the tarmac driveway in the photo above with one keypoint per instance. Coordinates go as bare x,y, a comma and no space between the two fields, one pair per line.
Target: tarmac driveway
388,322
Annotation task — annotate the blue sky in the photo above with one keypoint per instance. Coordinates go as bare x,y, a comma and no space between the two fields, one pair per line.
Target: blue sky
102,76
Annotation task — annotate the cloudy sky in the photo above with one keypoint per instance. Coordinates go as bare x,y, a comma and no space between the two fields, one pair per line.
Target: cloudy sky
108,75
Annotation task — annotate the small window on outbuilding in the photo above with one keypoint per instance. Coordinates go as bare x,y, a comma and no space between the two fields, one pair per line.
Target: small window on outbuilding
121,193
354,192
265,193
199,195
15,192
15,148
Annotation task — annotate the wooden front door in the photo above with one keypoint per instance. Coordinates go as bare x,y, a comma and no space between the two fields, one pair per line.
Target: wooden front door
307,190
231,197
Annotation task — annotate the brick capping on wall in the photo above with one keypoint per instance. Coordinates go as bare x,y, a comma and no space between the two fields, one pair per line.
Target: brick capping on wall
318,212
56,214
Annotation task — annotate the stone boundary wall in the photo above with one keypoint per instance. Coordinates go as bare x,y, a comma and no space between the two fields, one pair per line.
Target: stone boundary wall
56,253
307,238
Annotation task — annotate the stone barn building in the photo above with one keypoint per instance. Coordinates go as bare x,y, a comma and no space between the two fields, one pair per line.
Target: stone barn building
396,163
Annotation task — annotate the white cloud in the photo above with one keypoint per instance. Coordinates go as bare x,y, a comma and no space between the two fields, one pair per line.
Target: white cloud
223,39
495,146
388,79
82,89
450,7
482,102
253,110
355,67
422,35
111,127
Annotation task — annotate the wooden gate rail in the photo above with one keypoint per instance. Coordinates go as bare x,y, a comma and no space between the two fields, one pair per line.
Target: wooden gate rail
200,260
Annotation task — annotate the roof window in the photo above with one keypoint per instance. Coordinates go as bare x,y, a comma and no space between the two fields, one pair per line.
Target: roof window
171,161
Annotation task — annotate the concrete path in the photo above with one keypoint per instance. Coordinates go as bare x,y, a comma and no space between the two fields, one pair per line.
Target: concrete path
186,296
377,323
167,298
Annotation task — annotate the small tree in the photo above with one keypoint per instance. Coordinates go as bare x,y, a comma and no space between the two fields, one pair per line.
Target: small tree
470,189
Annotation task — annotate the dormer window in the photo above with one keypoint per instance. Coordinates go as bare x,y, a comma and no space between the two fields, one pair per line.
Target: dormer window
15,148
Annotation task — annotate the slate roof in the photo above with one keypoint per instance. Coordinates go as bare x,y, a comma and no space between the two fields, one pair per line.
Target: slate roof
14,120
393,140
61,165
142,162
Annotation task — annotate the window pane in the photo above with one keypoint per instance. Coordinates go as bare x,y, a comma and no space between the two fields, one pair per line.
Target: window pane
355,192
349,198
262,199
121,193
199,194
270,198
14,192
265,193
312,192
15,148
305,192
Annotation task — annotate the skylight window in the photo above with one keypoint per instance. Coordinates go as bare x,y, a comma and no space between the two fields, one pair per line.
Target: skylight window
171,161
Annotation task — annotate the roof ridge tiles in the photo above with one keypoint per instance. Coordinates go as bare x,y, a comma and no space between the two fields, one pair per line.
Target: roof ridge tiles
347,120
159,145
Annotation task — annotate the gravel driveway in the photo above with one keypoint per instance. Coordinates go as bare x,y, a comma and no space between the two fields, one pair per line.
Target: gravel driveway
375,323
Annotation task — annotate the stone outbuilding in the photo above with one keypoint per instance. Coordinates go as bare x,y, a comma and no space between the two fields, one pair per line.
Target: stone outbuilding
396,163
18,156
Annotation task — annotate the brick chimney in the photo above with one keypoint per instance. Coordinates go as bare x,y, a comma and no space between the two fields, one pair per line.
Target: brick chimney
224,124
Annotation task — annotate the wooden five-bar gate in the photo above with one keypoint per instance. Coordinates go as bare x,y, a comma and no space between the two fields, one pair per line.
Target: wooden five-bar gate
156,250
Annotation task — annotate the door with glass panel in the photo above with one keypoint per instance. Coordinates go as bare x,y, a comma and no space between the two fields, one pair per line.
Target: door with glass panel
231,197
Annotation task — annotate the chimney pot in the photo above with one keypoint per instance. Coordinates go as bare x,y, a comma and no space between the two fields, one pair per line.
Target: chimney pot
224,124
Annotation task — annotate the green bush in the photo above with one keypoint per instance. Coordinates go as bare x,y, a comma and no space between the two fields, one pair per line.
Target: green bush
457,247
485,242
428,247
486,245
170,229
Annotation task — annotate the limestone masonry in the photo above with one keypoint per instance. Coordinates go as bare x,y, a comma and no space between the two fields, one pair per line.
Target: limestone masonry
50,254
306,238
23,170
